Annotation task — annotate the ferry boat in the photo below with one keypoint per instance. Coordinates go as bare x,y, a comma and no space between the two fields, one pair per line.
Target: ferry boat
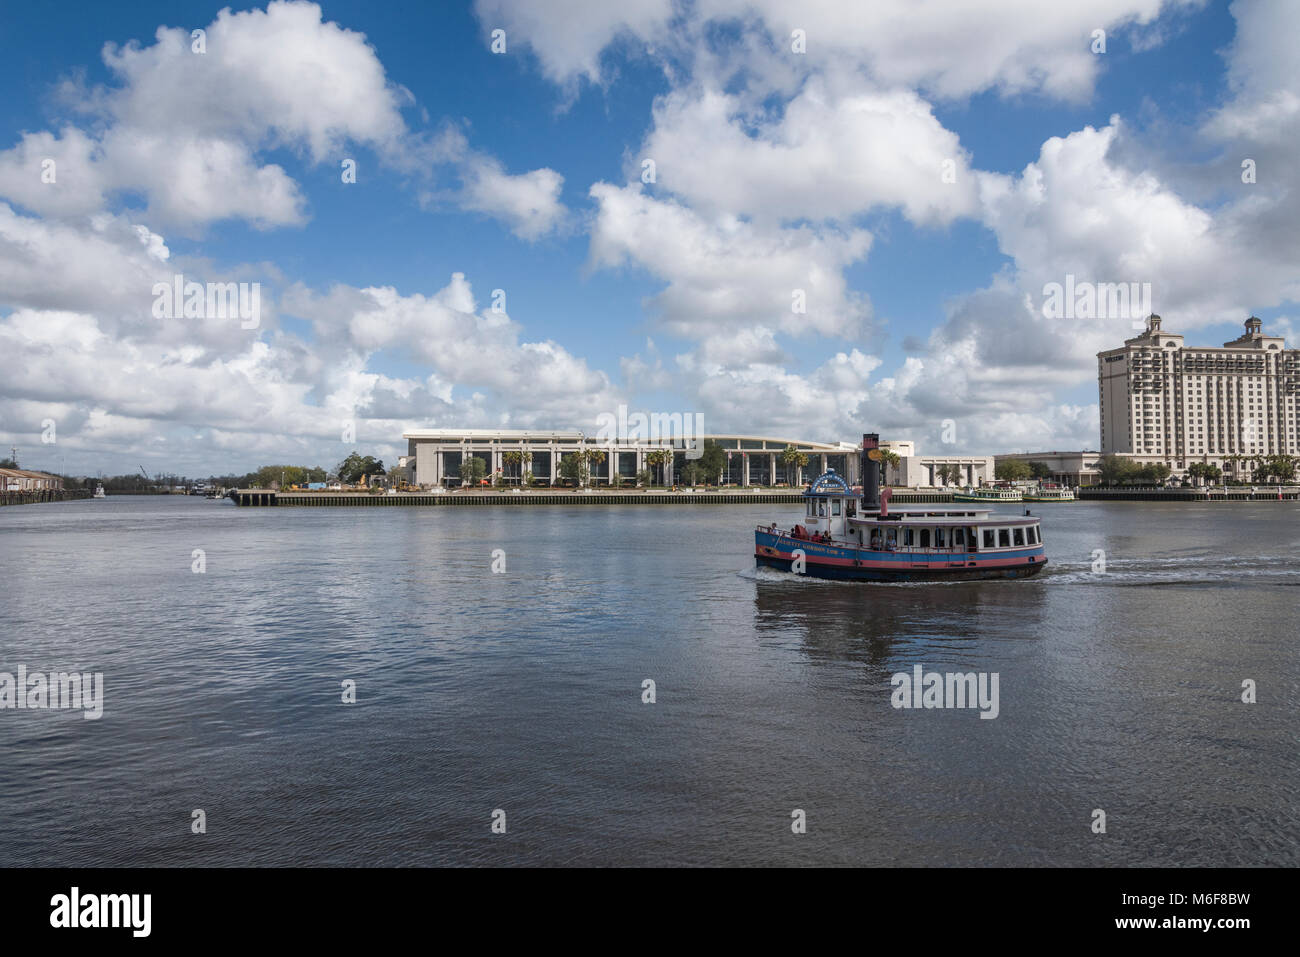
988,493
99,492
1048,492
844,535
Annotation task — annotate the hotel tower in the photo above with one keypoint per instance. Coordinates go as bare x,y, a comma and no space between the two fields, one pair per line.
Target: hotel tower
1162,401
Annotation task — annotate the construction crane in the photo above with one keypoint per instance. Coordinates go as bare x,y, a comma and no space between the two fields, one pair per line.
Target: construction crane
145,474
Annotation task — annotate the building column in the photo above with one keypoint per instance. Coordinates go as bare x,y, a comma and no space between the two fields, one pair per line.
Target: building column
555,464
744,469
771,468
823,470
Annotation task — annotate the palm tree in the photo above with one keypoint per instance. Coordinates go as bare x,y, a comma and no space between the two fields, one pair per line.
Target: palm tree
513,458
890,460
593,456
792,458
661,459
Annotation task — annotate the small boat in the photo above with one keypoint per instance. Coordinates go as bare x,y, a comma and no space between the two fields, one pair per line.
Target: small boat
988,493
1047,492
845,535
99,492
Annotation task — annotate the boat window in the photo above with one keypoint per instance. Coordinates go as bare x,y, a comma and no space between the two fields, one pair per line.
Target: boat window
939,538
1033,535
835,507
958,537
925,538
891,538
907,537
972,539
988,538
1020,536
1004,538
812,508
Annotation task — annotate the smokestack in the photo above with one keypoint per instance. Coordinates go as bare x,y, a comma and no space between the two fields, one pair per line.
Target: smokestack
870,471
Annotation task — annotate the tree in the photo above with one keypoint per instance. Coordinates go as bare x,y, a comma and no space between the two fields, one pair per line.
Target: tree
713,461
1115,470
691,471
283,475
8,464
889,460
573,465
644,477
352,468
1281,468
1012,470
794,459
661,459
471,471
594,457
1039,470
1155,474
514,458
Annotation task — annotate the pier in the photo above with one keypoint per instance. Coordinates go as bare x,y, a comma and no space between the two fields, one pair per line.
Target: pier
1286,493
32,496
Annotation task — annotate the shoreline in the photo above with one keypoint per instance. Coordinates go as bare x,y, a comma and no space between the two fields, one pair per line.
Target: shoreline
256,498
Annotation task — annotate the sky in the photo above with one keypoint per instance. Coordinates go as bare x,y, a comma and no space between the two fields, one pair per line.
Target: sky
804,220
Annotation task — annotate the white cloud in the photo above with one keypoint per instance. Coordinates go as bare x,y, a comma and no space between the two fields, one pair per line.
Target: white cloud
529,203
726,273
949,48
568,36
827,155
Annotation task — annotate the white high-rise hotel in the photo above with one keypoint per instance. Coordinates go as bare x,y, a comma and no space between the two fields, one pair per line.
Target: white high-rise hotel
1162,401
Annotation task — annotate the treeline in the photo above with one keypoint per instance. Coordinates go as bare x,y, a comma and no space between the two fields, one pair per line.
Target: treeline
349,472
1259,470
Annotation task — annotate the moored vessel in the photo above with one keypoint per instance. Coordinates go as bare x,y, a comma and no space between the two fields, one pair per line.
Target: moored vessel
1048,492
844,535
989,493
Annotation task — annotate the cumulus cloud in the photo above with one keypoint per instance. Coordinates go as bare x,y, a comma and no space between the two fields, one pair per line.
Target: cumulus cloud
187,130
725,273
529,203
949,48
827,155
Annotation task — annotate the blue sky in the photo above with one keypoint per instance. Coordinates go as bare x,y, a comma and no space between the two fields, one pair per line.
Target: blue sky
520,171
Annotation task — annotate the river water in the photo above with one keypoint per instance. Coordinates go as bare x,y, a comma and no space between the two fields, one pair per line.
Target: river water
521,691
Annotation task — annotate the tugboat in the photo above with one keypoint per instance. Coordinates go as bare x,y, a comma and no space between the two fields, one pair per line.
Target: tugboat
99,492
858,537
